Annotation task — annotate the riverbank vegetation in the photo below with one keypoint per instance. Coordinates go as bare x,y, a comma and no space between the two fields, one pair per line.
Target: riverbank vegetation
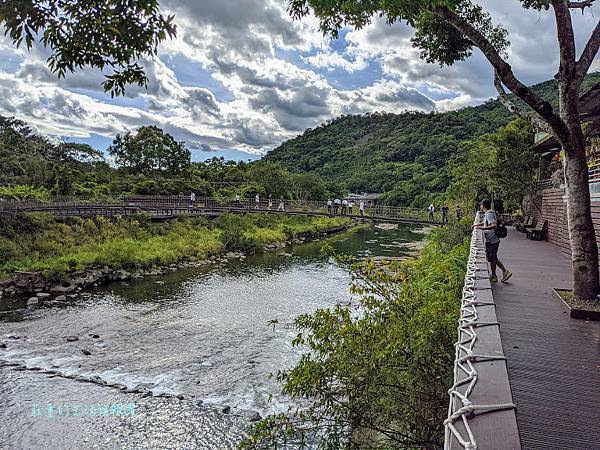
39,242
375,373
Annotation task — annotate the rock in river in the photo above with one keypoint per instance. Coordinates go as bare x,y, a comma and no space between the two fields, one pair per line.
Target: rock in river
226,409
86,352
72,339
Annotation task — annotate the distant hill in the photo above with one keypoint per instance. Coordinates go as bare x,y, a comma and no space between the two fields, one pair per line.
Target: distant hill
404,154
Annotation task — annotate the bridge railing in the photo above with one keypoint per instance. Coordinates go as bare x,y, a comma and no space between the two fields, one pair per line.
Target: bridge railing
481,412
178,203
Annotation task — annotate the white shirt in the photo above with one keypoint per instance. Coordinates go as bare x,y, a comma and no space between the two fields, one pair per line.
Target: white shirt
192,196
362,205
329,202
257,198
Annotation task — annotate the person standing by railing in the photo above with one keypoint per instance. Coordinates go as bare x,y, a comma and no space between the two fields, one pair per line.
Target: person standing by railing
445,211
281,207
336,205
329,205
361,208
270,202
257,201
237,200
350,205
431,210
344,206
492,241
192,199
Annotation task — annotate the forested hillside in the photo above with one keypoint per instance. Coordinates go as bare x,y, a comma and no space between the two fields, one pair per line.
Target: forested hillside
403,155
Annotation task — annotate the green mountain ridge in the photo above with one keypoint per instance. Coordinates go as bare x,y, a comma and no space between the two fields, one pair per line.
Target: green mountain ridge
401,155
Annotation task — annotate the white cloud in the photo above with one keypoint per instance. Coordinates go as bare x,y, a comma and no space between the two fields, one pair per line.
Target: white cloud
332,60
270,98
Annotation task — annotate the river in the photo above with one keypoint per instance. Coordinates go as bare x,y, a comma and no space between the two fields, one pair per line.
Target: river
199,340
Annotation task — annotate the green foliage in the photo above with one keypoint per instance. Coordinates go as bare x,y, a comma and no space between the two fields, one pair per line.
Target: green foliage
37,241
252,232
502,163
86,33
23,192
150,149
375,373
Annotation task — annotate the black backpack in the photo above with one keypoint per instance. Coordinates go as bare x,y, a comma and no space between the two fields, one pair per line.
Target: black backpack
501,230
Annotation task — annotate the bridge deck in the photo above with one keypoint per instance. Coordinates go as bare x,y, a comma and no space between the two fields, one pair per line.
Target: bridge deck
553,360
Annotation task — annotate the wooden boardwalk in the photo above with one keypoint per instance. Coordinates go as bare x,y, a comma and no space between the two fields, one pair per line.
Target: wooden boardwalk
553,360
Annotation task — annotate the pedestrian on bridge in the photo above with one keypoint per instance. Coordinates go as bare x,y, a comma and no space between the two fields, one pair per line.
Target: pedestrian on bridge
280,207
270,202
192,199
344,206
445,211
329,206
431,210
350,205
361,208
336,205
237,200
256,201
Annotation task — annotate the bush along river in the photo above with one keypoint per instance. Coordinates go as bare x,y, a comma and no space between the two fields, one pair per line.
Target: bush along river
180,360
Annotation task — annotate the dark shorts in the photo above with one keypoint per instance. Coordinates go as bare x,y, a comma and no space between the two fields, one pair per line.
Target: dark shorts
491,251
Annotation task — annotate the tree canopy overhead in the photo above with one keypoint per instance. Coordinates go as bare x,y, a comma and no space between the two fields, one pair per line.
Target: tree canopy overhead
109,34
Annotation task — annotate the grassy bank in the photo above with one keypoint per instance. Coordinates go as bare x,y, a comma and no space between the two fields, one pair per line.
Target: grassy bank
378,379
39,242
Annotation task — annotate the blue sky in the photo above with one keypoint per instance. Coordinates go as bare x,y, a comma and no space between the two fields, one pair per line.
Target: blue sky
238,84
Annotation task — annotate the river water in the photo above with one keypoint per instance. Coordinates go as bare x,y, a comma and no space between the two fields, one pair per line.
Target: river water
198,340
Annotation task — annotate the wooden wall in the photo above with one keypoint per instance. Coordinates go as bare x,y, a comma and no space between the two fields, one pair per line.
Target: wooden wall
553,206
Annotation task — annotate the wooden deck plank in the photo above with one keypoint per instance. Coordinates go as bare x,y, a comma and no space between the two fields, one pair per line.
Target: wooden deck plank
553,360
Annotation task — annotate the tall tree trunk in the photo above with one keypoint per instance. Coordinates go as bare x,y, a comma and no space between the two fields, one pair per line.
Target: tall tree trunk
584,250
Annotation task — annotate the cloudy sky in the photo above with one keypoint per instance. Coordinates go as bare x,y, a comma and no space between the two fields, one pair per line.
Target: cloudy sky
241,77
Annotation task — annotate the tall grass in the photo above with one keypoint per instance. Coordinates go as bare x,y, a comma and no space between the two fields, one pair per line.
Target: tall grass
38,242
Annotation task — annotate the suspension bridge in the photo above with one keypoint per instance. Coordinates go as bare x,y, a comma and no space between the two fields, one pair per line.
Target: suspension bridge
162,207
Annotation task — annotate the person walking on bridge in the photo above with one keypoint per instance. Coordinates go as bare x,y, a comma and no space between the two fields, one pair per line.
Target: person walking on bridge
445,211
270,202
350,205
329,205
281,206
361,208
192,199
336,205
256,201
431,210
492,241
344,206
237,200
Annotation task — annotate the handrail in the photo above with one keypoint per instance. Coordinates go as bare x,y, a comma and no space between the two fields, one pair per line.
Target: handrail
481,412
180,203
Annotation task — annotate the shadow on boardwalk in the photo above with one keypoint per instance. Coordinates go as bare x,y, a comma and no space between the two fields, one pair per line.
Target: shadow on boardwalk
553,360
